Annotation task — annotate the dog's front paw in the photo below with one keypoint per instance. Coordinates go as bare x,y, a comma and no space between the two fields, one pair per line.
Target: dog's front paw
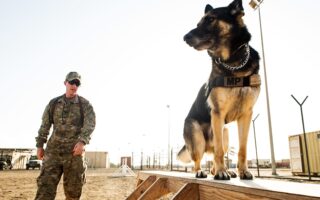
245,175
232,174
212,171
221,175
201,174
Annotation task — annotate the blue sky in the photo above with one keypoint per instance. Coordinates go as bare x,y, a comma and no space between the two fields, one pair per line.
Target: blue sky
134,63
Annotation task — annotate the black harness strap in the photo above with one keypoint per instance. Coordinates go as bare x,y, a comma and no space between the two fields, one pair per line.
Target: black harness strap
53,104
81,111
231,81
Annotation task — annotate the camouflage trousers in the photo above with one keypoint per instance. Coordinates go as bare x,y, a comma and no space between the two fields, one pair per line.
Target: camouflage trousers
54,165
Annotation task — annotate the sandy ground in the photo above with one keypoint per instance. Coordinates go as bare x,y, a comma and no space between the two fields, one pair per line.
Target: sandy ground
21,185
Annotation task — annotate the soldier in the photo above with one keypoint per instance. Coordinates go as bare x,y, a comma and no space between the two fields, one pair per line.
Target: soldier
73,121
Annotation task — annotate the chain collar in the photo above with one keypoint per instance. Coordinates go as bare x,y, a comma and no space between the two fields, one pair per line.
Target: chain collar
232,68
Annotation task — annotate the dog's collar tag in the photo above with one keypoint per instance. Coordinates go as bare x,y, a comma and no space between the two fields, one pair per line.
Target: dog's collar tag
235,81
232,81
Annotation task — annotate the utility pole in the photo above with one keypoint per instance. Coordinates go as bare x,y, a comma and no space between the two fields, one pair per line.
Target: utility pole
304,132
255,142
168,106
255,4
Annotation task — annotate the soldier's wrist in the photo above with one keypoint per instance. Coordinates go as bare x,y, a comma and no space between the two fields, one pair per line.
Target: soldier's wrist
39,146
81,141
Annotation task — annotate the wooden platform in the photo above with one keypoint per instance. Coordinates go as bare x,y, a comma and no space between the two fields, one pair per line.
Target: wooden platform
154,184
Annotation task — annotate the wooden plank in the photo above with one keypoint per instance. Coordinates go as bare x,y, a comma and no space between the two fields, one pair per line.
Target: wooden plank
240,189
156,190
142,187
190,191
173,185
207,192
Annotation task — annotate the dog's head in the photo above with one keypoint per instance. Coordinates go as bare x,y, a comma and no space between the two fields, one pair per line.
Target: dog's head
220,30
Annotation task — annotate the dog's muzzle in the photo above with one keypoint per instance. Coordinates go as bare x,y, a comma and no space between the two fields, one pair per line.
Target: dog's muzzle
188,38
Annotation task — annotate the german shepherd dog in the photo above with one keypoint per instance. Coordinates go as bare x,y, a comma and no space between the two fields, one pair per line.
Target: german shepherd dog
229,94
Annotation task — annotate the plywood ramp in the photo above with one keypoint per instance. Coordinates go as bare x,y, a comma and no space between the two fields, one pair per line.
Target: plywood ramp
155,184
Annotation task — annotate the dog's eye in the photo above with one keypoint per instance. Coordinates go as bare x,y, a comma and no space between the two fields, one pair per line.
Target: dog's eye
210,19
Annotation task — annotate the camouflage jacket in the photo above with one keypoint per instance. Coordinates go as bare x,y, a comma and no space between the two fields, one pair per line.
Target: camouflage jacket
68,125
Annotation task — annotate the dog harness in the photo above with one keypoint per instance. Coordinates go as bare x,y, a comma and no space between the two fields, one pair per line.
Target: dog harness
232,81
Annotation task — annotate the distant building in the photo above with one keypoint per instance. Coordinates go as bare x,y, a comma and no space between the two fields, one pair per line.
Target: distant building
126,160
97,159
263,163
18,157
284,163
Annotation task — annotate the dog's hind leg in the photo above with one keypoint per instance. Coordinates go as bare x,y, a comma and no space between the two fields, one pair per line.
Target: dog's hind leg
243,130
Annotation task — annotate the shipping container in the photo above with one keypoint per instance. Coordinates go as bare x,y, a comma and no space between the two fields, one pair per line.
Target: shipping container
298,155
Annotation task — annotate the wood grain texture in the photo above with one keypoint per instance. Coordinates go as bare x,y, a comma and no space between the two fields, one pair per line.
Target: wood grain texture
186,186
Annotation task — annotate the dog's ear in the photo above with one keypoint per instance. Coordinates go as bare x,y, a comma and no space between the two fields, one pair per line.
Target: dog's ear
236,7
208,8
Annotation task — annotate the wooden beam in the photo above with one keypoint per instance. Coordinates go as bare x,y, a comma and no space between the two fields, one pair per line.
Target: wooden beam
185,185
190,191
156,190
142,187
207,192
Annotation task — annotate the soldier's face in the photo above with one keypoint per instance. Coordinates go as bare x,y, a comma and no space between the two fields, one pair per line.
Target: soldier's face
71,89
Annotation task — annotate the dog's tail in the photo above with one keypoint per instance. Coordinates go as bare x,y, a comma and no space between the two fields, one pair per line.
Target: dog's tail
184,155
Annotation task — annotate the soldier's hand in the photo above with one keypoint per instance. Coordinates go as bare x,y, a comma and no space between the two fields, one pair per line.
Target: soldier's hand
78,149
40,153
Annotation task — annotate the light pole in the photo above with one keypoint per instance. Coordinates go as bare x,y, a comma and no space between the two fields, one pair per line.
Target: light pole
255,143
255,4
304,132
141,162
168,106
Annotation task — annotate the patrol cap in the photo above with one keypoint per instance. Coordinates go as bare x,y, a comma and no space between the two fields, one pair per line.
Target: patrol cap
72,76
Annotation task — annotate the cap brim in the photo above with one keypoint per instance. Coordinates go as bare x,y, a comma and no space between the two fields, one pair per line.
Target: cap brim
70,79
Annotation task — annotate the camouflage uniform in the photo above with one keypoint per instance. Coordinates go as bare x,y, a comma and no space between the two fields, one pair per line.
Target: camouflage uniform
68,128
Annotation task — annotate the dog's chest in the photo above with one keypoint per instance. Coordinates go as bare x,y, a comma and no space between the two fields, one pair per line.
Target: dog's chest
230,103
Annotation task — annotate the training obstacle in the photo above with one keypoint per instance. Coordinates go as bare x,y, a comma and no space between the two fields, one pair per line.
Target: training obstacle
124,170
152,185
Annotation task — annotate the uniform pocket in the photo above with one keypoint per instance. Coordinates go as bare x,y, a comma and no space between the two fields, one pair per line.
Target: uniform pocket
75,171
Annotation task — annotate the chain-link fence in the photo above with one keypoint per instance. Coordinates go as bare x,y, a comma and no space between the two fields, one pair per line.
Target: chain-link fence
160,160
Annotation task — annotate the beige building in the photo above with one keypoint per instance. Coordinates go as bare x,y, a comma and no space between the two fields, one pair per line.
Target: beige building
18,157
97,159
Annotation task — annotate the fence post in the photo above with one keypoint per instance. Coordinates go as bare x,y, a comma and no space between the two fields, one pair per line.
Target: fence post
132,165
159,159
171,159
141,165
